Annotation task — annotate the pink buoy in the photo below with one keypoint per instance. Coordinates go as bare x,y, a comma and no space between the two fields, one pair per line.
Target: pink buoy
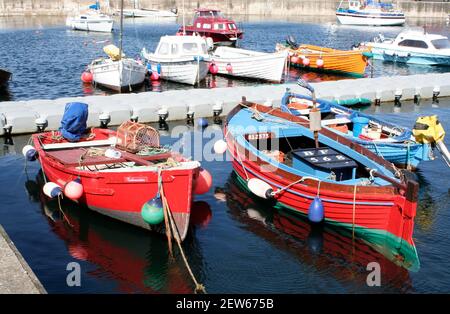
203,182
319,63
229,68
154,76
87,77
213,68
306,61
74,189
294,59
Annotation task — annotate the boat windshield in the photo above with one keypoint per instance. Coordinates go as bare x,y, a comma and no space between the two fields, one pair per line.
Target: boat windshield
442,43
209,14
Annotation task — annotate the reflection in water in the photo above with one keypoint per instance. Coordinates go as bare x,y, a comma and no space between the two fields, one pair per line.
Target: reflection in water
326,248
134,258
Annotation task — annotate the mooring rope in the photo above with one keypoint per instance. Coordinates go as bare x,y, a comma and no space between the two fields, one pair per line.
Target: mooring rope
198,286
59,197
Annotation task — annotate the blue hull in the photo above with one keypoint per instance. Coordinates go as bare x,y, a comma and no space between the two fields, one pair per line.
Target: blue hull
411,58
404,152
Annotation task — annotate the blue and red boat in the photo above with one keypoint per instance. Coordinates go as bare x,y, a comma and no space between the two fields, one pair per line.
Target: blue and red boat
395,144
321,174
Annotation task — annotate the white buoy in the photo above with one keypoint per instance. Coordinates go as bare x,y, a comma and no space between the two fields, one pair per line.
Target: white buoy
104,118
260,188
41,123
29,152
220,147
52,189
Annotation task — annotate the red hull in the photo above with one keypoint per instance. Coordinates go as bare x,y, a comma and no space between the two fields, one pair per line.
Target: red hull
219,38
121,194
382,210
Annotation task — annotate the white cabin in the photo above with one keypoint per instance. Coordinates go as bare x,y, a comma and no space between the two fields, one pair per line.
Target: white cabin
181,46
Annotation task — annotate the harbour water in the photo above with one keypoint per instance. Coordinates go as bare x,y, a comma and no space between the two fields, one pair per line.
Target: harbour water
47,59
238,243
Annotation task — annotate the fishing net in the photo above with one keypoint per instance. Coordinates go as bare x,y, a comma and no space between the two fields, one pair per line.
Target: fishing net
133,137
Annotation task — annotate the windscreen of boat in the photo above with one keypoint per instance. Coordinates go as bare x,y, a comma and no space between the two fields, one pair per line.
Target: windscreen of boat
413,43
194,48
442,43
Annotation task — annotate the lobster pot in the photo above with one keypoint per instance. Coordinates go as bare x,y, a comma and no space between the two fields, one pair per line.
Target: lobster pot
133,136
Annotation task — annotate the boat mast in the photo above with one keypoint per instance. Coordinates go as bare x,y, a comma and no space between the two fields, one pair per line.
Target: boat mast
121,30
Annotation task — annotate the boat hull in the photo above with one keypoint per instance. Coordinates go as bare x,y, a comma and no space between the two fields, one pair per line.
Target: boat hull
347,62
219,38
367,19
119,75
100,26
121,194
380,209
184,72
403,56
264,66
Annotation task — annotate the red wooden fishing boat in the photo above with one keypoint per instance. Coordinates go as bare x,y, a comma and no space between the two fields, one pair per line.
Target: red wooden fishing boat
212,23
120,175
365,193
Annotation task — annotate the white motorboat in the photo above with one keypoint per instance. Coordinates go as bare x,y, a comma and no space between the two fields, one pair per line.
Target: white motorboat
250,64
412,46
182,59
117,72
370,12
150,13
92,21
137,11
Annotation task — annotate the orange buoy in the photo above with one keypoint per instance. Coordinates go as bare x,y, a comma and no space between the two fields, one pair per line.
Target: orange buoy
203,182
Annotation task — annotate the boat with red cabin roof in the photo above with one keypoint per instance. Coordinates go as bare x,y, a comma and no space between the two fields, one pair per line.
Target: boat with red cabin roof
212,23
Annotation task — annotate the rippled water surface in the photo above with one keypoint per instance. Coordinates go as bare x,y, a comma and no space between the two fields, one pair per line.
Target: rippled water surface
238,243
47,59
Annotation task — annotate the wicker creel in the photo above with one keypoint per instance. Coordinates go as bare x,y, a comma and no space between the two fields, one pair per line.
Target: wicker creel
133,136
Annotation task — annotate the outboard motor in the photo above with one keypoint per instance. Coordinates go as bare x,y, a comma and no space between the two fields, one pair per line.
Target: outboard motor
73,122
290,40
428,130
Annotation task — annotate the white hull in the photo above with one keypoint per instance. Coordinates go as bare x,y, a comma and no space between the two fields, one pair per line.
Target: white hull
250,64
148,13
118,75
100,25
371,20
185,72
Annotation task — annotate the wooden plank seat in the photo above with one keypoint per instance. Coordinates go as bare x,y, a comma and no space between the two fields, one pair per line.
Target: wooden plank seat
71,157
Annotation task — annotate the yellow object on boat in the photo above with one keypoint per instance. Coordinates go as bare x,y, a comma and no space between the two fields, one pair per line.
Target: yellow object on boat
113,52
428,129
351,62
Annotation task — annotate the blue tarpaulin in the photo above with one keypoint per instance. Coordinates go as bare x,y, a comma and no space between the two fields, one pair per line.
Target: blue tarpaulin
73,122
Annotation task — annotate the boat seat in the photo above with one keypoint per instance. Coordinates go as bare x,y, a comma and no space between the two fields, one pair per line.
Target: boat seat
71,158
335,121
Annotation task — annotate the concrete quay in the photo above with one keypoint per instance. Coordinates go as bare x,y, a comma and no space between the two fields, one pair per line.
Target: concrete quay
16,277
18,117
